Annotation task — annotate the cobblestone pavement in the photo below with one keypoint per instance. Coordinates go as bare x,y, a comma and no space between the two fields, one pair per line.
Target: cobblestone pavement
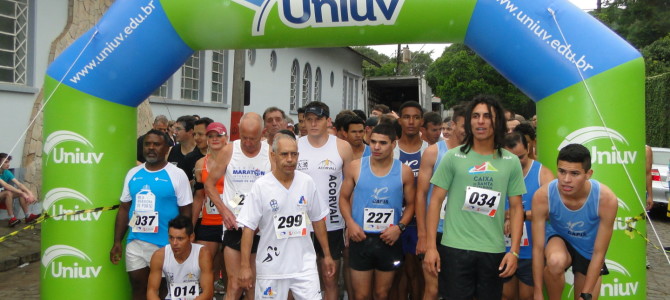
23,282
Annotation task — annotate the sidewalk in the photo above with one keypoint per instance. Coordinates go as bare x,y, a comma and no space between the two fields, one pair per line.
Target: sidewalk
25,248
19,249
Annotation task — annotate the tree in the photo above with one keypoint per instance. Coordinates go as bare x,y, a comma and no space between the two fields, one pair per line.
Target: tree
640,22
418,65
657,56
459,75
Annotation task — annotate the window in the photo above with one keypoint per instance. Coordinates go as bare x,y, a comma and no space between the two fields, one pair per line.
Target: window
317,84
295,75
350,90
190,78
13,41
219,75
251,53
307,85
162,90
273,60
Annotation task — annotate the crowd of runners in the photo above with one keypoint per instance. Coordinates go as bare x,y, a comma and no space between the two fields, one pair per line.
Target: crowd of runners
396,205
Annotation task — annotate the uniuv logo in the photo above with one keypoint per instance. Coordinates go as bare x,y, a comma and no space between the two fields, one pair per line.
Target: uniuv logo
59,155
620,286
324,13
587,135
53,204
621,223
53,264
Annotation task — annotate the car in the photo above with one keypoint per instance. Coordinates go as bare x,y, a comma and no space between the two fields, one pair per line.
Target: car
659,174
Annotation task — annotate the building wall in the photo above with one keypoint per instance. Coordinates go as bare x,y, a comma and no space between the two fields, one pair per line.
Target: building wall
269,86
46,21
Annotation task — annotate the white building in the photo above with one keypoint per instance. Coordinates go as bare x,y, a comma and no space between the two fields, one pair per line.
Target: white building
286,78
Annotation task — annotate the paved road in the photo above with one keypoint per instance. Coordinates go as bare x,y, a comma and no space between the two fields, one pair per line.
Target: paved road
23,283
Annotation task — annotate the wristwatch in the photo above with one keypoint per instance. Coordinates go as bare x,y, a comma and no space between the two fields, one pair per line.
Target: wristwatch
402,227
586,296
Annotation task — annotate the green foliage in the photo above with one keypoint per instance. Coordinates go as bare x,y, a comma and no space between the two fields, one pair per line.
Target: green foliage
459,75
640,22
657,108
657,56
417,66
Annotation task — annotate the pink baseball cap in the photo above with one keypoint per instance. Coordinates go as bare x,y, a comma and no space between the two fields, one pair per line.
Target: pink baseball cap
218,127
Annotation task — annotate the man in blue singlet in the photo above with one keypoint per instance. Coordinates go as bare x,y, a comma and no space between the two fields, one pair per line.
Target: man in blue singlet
429,161
374,215
581,213
520,286
408,151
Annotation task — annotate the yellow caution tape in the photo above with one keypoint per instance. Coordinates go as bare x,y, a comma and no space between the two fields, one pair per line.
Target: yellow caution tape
46,216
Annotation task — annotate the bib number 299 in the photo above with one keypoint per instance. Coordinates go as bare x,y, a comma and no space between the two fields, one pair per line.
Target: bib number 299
289,221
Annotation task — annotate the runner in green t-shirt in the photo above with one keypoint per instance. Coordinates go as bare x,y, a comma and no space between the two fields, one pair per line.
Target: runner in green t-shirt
478,176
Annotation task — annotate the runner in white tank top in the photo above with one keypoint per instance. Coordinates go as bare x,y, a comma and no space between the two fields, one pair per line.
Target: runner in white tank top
324,158
242,162
241,173
187,267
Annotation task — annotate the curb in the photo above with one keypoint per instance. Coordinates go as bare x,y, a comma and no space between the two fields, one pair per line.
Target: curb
11,262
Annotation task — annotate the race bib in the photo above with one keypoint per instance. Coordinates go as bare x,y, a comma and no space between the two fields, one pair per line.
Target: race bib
236,203
184,290
210,207
145,200
144,221
290,226
481,201
377,219
443,209
524,238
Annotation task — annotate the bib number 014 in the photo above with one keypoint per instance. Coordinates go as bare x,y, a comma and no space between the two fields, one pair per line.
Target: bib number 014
185,290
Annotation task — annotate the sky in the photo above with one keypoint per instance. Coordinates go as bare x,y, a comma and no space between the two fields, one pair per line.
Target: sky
438,48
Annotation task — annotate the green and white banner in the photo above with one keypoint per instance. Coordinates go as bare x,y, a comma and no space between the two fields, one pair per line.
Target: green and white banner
587,81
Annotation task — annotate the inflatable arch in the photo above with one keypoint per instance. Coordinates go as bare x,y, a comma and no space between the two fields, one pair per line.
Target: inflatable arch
588,84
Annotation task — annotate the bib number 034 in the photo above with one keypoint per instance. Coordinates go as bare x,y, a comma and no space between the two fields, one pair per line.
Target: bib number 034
481,201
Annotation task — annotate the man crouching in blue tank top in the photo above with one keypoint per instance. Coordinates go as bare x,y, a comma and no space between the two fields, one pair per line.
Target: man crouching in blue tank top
371,201
581,213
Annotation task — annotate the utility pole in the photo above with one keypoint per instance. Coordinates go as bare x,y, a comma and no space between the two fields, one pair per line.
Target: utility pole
237,103
397,61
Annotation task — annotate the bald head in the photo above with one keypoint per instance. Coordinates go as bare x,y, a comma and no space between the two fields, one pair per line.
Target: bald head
251,132
252,122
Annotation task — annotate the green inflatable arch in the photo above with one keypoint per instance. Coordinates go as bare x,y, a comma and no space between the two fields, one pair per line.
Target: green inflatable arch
588,84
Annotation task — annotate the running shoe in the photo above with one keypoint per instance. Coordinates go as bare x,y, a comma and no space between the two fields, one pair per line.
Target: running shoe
31,219
13,221
219,288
